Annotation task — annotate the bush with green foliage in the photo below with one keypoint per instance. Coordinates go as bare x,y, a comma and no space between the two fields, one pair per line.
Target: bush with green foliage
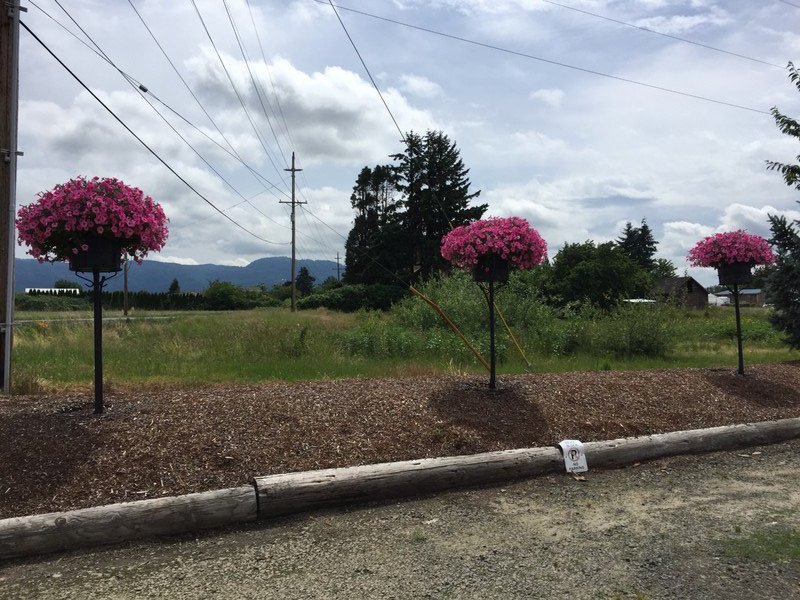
222,295
51,302
350,298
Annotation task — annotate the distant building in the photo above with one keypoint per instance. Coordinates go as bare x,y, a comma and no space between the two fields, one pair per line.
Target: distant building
685,290
747,296
715,300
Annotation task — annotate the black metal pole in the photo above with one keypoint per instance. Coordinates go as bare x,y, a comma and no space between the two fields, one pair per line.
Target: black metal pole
492,379
738,328
97,286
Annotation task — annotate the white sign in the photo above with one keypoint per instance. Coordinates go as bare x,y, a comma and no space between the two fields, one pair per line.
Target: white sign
574,456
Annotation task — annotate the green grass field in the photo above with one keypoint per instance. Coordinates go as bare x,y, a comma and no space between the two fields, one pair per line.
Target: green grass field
55,350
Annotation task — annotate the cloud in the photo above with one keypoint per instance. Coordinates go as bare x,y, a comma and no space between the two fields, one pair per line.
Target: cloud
417,85
550,96
332,114
172,259
678,24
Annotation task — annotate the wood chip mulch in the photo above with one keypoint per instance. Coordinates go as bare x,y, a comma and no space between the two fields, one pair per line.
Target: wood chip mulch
153,442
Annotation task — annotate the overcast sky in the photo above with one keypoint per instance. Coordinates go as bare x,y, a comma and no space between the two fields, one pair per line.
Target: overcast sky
576,153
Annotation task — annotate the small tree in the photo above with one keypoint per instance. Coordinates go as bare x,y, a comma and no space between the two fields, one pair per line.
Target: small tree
638,244
304,281
66,284
174,287
601,275
783,285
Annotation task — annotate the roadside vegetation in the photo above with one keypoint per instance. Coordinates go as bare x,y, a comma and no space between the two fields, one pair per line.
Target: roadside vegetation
54,348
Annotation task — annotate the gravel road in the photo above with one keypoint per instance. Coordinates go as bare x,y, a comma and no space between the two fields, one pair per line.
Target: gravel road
683,527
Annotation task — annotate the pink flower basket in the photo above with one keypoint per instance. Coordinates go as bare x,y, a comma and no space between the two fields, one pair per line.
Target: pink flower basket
490,247
92,215
733,254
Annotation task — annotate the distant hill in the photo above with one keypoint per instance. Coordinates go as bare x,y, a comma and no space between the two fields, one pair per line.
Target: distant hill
153,276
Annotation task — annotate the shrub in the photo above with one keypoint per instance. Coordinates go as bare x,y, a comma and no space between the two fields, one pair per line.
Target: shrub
51,302
375,337
350,298
221,295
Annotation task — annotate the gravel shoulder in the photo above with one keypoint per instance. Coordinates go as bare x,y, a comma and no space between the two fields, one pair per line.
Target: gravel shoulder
671,528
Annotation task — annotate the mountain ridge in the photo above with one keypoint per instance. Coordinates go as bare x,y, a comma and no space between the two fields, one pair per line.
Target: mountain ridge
156,276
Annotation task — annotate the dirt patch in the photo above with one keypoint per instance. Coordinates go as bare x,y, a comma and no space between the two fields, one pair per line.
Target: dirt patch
162,441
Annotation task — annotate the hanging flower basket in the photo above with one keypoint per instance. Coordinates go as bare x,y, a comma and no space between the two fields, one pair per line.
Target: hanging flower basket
490,267
733,253
103,255
492,247
735,273
90,223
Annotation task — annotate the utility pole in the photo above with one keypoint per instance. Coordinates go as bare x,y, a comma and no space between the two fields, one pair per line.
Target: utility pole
9,102
338,277
294,262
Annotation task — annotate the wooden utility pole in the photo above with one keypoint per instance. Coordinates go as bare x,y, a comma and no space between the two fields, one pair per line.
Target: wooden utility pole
294,262
9,101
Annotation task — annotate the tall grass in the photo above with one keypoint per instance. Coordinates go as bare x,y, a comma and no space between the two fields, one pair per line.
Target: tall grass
193,348
270,343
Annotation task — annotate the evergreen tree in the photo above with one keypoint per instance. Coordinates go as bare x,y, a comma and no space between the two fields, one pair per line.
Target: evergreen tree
791,127
174,287
304,282
638,244
783,285
368,245
434,184
663,269
403,210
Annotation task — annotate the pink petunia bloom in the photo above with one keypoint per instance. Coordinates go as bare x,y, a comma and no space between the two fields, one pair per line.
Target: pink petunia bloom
61,218
731,247
510,238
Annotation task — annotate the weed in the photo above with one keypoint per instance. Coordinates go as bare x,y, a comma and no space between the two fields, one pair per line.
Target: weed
778,545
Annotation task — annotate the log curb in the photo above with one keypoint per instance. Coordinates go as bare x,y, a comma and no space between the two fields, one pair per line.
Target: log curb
288,493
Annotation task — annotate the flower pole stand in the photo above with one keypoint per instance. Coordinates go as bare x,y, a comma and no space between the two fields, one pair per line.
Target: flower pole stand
90,223
491,248
102,255
734,274
733,254
491,269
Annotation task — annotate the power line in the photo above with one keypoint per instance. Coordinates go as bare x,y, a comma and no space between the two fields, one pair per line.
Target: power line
143,143
405,138
253,79
790,3
366,68
666,35
276,96
546,60
141,88
235,90
269,74
197,100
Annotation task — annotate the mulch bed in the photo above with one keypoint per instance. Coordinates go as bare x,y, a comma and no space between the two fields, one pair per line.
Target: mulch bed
153,442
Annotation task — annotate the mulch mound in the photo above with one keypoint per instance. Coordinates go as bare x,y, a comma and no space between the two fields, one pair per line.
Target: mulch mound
153,442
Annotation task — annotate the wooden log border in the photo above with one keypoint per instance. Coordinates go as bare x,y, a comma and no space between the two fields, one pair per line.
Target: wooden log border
297,492
52,532
289,493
